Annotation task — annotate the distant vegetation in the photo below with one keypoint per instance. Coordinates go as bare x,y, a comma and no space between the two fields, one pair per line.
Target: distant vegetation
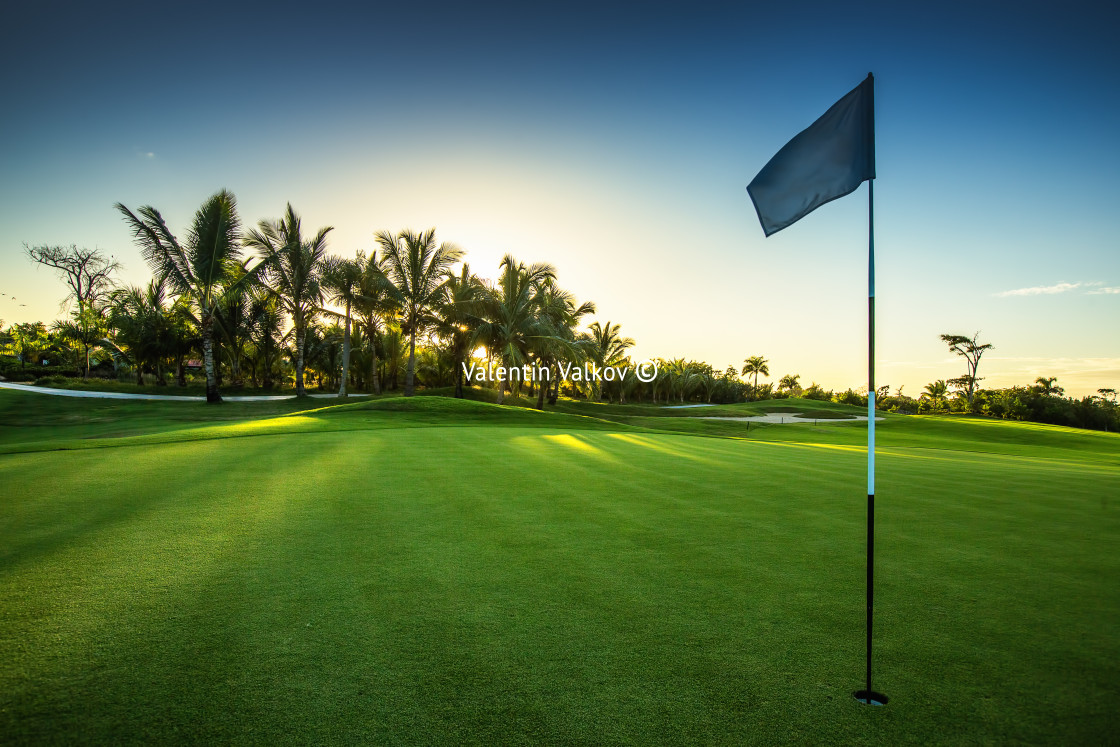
269,309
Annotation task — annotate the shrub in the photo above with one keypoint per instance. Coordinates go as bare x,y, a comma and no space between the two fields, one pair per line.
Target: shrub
818,393
53,380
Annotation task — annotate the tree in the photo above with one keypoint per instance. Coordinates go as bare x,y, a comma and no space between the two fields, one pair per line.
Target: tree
755,365
266,336
87,327
183,335
294,267
202,267
1045,386
971,350
681,378
459,321
560,314
324,352
87,272
343,282
418,269
27,341
788,383
937,393
608,347
232,321
142,322
510,313
377,298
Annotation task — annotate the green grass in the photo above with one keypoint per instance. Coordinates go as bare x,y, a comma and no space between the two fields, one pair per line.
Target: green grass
431,571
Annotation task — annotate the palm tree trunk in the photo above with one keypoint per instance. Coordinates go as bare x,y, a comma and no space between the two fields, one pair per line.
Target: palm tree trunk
345,353
371,335
458,378
212,395
540,394
501,382
409,379
180,372
554,394
301,338
374,377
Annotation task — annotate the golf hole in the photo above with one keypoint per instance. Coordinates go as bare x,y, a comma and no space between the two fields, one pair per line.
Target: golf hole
875,699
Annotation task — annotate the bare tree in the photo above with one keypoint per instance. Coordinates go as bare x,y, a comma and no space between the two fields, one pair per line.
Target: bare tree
87,271
971,351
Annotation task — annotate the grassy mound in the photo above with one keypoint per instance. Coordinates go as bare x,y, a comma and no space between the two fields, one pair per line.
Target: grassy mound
38,422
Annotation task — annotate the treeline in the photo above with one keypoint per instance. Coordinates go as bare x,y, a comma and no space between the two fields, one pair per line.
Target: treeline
1043,402
269,307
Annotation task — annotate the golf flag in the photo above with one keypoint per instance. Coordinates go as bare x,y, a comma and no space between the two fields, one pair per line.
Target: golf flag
829,159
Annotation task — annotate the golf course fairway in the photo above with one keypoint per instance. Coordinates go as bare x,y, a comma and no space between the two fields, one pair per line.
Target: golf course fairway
433,571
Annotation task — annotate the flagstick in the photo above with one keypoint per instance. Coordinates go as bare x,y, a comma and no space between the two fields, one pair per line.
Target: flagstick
870,411
869,696
870,418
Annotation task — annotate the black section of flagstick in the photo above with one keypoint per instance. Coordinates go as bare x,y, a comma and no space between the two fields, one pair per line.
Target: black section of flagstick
870,579
868,696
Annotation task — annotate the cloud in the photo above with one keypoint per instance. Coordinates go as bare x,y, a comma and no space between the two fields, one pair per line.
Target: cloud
1041,290
1094,288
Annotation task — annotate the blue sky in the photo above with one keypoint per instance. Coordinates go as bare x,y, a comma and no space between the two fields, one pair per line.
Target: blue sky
615,142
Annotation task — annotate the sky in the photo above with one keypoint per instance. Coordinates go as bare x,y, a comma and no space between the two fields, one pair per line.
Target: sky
614,141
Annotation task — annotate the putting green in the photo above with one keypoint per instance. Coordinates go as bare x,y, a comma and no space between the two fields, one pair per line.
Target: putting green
371,575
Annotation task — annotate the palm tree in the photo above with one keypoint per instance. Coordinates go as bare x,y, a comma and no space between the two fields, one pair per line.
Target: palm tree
183,335
511,313
27,341
459,321
376,299
937,392
87,328
393,345
755,365
294,267
342,280
788,383
608,347
685,377
265,333
1046,386
419,270
143,326
231,319
562,316
202,266
323,352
